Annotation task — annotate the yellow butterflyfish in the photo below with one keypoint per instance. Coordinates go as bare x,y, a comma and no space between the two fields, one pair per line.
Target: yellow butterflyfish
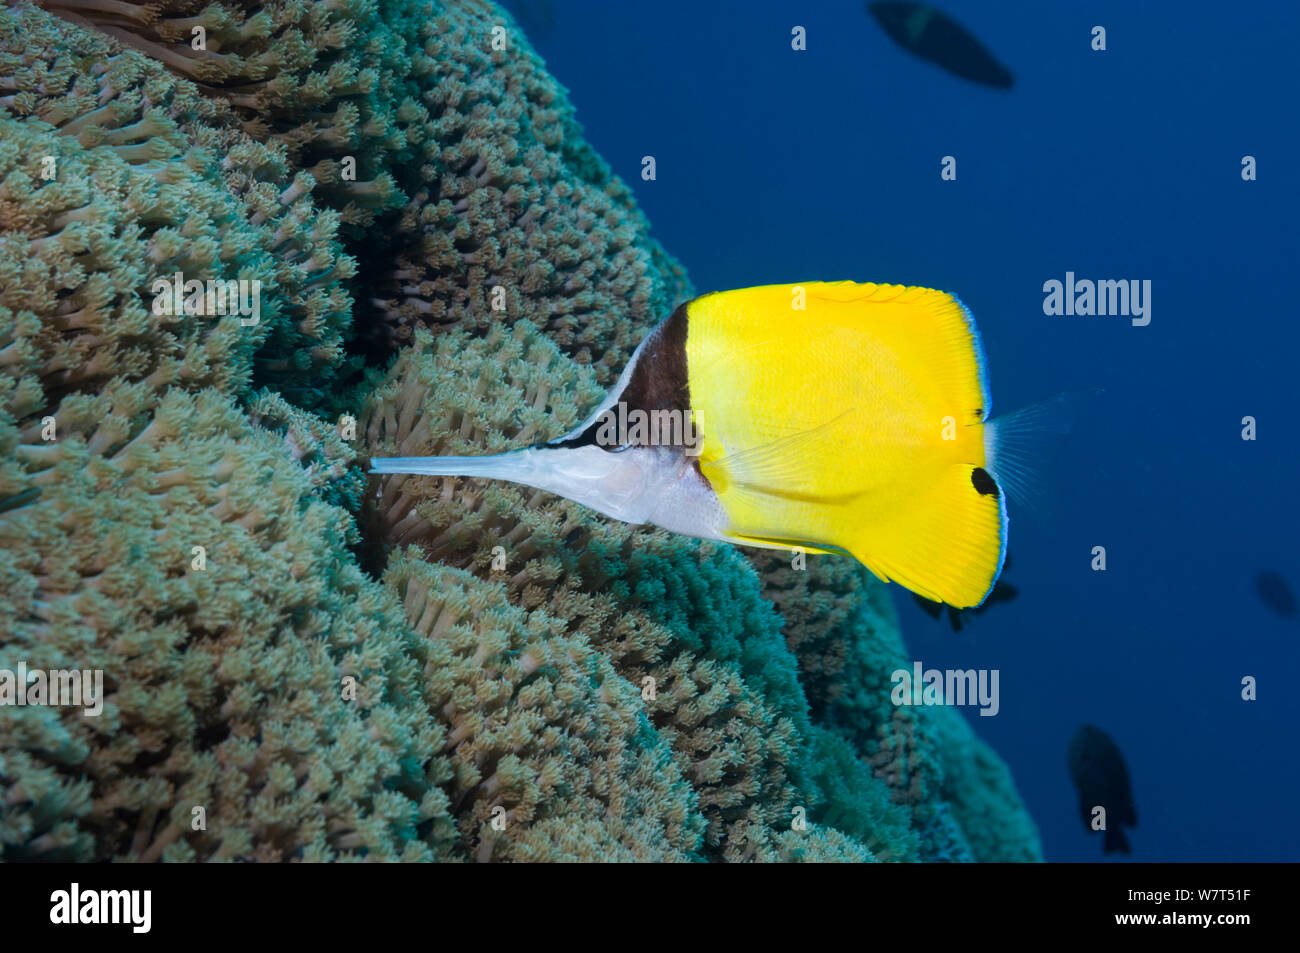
832,417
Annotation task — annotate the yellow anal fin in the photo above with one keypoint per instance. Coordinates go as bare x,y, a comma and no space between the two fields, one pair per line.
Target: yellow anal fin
773,542
945,541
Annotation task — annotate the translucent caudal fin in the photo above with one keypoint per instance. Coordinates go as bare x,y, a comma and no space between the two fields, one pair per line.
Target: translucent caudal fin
1020,445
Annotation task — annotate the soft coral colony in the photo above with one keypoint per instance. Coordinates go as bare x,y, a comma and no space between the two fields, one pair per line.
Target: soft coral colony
453,670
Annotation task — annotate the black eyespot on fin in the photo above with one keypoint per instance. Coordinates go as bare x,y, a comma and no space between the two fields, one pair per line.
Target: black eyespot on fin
983,483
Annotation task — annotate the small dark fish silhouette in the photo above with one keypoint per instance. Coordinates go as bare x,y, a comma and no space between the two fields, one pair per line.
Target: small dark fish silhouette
925,32
957,618
1276,593
1101,778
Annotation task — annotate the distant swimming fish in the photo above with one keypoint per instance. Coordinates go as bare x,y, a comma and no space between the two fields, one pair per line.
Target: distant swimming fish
833,417
925,32
1276,593
1101,778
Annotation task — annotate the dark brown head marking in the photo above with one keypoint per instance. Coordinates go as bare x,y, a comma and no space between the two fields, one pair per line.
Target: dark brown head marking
659,379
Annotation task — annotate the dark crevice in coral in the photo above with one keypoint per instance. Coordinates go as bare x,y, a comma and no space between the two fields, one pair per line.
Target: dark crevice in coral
209,736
